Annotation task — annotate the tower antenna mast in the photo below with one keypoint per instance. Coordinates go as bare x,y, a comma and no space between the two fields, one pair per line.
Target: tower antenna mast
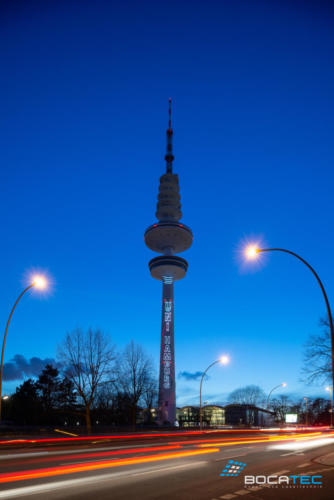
169,154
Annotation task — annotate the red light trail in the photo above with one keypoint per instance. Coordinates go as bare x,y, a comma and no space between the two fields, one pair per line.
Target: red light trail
153,435
70,469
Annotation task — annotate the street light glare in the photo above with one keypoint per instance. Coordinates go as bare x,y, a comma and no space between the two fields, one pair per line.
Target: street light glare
40,282
327,389
284,384
224,360
251,252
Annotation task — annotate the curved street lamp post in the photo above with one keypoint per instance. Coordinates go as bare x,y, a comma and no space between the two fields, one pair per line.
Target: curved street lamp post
251,253
223,360
40,283
283,384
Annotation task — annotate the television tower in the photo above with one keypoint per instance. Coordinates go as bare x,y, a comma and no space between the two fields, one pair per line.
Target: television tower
168,237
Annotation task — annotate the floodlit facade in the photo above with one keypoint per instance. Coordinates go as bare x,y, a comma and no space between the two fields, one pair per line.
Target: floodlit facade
213,416
168,237
236,415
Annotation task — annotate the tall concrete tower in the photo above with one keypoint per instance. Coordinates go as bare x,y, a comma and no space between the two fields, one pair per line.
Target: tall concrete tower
168,237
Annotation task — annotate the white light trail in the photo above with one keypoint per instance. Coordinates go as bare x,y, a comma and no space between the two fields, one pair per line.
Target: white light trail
302,444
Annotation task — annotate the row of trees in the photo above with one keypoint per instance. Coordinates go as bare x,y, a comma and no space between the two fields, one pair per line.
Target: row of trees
95,381
317,369
251,395
53,400
313,411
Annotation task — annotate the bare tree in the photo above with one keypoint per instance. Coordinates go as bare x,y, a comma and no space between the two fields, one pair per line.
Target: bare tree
318,357
135,376
320,408
88,359
150,396
316,410
251,394
281,406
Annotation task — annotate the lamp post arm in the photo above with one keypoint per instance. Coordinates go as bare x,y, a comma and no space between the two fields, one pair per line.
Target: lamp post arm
272,390
5,337
329,312
200,392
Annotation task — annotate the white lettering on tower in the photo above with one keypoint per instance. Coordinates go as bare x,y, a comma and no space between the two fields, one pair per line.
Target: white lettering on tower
167,354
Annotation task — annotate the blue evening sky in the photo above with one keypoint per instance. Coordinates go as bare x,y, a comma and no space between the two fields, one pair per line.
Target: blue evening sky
84,97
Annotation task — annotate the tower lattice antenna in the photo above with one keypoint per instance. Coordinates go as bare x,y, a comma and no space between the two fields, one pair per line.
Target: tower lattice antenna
169,155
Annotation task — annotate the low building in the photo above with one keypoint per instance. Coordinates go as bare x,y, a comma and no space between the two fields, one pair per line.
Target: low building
248,416
188,416
213,415
236,415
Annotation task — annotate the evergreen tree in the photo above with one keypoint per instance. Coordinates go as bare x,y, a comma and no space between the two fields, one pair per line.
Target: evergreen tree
48,385
67,397
26,407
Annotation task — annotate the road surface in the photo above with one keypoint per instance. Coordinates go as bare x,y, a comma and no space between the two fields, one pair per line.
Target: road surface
172,466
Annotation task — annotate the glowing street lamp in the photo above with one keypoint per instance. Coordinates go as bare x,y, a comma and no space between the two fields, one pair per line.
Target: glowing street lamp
252,252
223,360
283,384
331,395
39,282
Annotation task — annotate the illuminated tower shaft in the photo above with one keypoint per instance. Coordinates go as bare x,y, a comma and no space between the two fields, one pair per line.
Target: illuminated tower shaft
168,237
167,403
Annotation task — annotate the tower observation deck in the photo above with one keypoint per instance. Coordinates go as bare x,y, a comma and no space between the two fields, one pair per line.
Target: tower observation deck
168,237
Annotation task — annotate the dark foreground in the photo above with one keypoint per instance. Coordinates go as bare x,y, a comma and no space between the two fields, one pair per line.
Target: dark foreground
171,466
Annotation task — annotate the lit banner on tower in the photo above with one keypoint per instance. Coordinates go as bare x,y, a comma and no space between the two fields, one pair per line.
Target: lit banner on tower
167,353
167,364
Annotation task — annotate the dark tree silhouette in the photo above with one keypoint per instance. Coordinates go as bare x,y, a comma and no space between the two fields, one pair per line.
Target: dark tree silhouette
150,397
251,394
134,376
47,387
88,358
67,396
25,404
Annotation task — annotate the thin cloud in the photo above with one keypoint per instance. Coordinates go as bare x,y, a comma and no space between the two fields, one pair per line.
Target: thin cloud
191,376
